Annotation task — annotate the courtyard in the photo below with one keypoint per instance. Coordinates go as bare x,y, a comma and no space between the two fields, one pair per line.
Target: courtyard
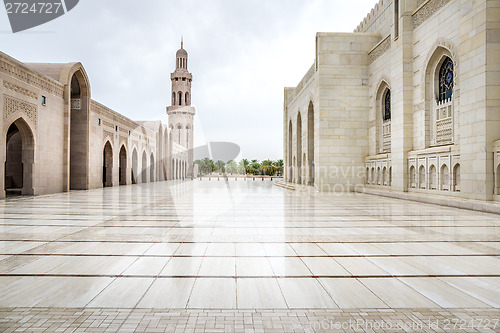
230,255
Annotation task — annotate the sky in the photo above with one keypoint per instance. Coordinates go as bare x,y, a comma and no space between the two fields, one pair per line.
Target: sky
241,53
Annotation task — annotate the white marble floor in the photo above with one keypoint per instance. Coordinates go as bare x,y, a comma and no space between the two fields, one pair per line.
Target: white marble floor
243,245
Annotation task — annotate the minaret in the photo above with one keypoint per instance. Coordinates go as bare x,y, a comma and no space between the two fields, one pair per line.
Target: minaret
181,113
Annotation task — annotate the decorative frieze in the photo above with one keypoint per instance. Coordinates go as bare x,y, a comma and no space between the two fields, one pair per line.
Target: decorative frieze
12,105
20,90
426,11
110,134
382,47
37,81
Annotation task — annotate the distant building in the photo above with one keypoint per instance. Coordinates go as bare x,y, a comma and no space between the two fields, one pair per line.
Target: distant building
56,138
408,102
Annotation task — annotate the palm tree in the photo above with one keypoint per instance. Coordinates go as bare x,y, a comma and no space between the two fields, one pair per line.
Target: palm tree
231,167
219,166
279,167
207,165
244,163
255,167
268,167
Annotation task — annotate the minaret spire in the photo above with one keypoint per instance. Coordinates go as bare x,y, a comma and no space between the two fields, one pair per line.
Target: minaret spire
182,42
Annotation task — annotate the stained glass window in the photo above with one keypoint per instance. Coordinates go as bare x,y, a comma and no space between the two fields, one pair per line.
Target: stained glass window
446,80
387,105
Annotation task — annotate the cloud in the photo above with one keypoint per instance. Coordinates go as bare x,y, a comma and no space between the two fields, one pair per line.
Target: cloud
241,54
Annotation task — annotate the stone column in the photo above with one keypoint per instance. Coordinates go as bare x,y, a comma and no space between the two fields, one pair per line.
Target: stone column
402,94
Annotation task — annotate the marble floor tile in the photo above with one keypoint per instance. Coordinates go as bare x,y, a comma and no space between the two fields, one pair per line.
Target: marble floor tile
479,288
163,249
147,266
307,249
189,266
443,294
259,294
212,293
250,249
351,293
287,266
396,294
324,266
221,249
305,293
246,266
75,293
167,293
218,266
121,293
361,267
243,245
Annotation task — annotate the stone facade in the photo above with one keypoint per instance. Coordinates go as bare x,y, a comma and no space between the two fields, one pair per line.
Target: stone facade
408,102
55,138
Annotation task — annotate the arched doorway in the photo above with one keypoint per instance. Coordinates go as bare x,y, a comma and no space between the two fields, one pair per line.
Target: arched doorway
299,149
19,159
152,169
144,167
310,143
134,166
107,165
123,166
79,132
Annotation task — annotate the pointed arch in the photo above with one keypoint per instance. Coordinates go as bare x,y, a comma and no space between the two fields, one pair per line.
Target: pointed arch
152,168
444,178
456,177
79,105
412,177
383,117
122,168
299,148
135,166
432,177
439,109
421,177
310,143
107,165
19,158
144,173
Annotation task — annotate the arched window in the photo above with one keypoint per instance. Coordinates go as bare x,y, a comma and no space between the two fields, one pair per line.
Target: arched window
173,98
187,99
456,177
384,176
444,176
421,176
446,80
432,177
387,105
180,98
179,127
412,176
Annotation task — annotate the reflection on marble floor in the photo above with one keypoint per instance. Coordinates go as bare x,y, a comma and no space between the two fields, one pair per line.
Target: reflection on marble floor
243,245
